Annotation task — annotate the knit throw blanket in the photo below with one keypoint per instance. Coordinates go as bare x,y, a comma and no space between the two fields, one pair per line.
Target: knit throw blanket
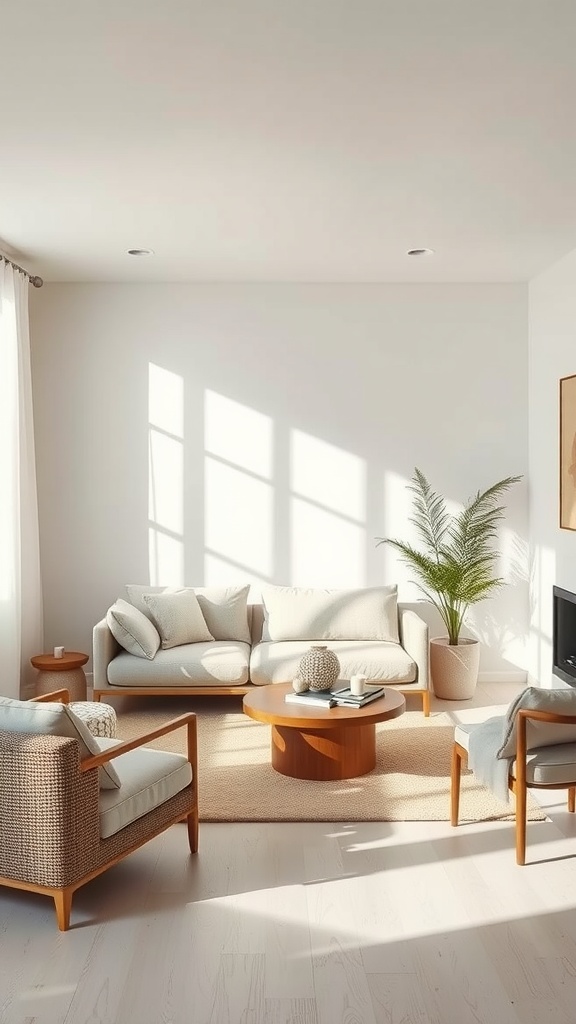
492,745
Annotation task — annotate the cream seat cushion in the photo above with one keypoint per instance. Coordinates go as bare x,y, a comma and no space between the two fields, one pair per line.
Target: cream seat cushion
216,663
148,778
545,766
385,662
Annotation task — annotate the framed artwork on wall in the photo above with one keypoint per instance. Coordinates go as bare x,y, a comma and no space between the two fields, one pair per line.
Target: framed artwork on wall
568,453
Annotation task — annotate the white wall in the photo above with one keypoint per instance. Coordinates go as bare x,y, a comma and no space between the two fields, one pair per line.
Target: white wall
284,422
552,355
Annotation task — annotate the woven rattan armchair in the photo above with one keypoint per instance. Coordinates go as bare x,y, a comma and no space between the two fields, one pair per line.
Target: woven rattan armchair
50,810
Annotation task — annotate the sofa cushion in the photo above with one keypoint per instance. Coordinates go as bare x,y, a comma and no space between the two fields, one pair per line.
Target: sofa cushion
149,778
133,630
178,618
384,662
298,613
54,719
219,663
224,608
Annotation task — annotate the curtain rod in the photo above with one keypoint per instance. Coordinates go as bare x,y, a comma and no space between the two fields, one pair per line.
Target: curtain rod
36,281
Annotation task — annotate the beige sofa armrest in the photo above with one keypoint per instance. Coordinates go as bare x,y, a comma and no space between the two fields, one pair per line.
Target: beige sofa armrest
104,648
414,638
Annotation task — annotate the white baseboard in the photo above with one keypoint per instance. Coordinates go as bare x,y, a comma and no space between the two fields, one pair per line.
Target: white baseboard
516,676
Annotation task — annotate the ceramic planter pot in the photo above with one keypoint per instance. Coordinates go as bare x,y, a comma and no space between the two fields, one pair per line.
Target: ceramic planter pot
454,669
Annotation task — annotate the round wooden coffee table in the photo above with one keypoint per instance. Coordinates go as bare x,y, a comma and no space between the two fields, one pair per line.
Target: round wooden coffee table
322,744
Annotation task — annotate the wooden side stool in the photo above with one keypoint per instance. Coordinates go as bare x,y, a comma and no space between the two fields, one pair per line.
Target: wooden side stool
65,672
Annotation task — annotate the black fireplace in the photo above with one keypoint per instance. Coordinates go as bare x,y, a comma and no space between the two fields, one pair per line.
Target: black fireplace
564,635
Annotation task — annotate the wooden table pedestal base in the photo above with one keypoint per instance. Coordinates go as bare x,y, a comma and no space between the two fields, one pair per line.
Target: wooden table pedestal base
324,755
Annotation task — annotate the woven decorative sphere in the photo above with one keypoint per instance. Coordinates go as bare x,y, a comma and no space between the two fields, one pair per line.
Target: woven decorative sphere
319,668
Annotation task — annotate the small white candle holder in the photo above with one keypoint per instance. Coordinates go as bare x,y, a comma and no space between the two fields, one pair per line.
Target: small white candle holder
358,685
58,652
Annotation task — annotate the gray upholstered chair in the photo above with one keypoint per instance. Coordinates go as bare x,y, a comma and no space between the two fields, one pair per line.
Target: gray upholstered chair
72,805
531,746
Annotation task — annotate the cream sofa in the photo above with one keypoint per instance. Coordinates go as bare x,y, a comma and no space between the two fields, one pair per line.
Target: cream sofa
238,645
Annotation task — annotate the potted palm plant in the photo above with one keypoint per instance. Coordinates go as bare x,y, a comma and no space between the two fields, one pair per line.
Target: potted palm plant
454,569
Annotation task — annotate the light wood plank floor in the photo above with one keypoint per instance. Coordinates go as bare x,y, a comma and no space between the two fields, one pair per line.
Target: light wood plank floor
376,923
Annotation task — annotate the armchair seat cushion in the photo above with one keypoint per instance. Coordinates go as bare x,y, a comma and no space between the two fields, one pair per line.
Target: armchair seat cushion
148,778
277,662
217,663
554,765
550,766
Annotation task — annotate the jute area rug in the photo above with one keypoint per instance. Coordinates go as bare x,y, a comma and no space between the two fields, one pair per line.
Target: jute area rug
411,781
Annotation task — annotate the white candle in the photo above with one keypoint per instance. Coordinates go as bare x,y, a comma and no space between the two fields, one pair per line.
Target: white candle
358,685
58,652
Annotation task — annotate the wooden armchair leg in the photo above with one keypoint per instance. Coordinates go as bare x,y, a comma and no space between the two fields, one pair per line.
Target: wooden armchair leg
426,703
456,770
572,799
63,903
520,794
192,825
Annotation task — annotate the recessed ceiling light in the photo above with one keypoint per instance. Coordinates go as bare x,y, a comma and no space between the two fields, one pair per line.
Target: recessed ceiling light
140,252
420,252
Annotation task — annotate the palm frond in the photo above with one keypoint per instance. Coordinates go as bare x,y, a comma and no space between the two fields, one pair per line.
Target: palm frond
456,567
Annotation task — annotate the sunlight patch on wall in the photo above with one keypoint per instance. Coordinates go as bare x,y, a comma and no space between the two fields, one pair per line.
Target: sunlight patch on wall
396,511
165,477
327,551
238,518
543,578
328,514
239,496
238,435
328,475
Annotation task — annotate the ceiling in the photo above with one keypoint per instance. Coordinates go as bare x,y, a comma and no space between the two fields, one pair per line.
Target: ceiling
288,140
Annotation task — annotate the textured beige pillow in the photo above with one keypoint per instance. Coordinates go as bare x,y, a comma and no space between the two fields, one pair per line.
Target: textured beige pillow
52,719
299,613
225,610
178,618
133,630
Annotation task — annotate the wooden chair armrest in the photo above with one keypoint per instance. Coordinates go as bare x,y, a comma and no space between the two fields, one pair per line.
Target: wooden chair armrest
188,720
61,696
547,716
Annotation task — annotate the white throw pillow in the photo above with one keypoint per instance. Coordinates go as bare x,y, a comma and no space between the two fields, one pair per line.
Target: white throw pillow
133,630
298,613
178,618
53,719
225,610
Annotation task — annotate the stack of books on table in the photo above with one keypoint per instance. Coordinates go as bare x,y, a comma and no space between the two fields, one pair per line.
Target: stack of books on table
335,698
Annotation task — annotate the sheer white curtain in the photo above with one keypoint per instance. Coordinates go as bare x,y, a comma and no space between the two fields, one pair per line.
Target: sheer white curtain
20,586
